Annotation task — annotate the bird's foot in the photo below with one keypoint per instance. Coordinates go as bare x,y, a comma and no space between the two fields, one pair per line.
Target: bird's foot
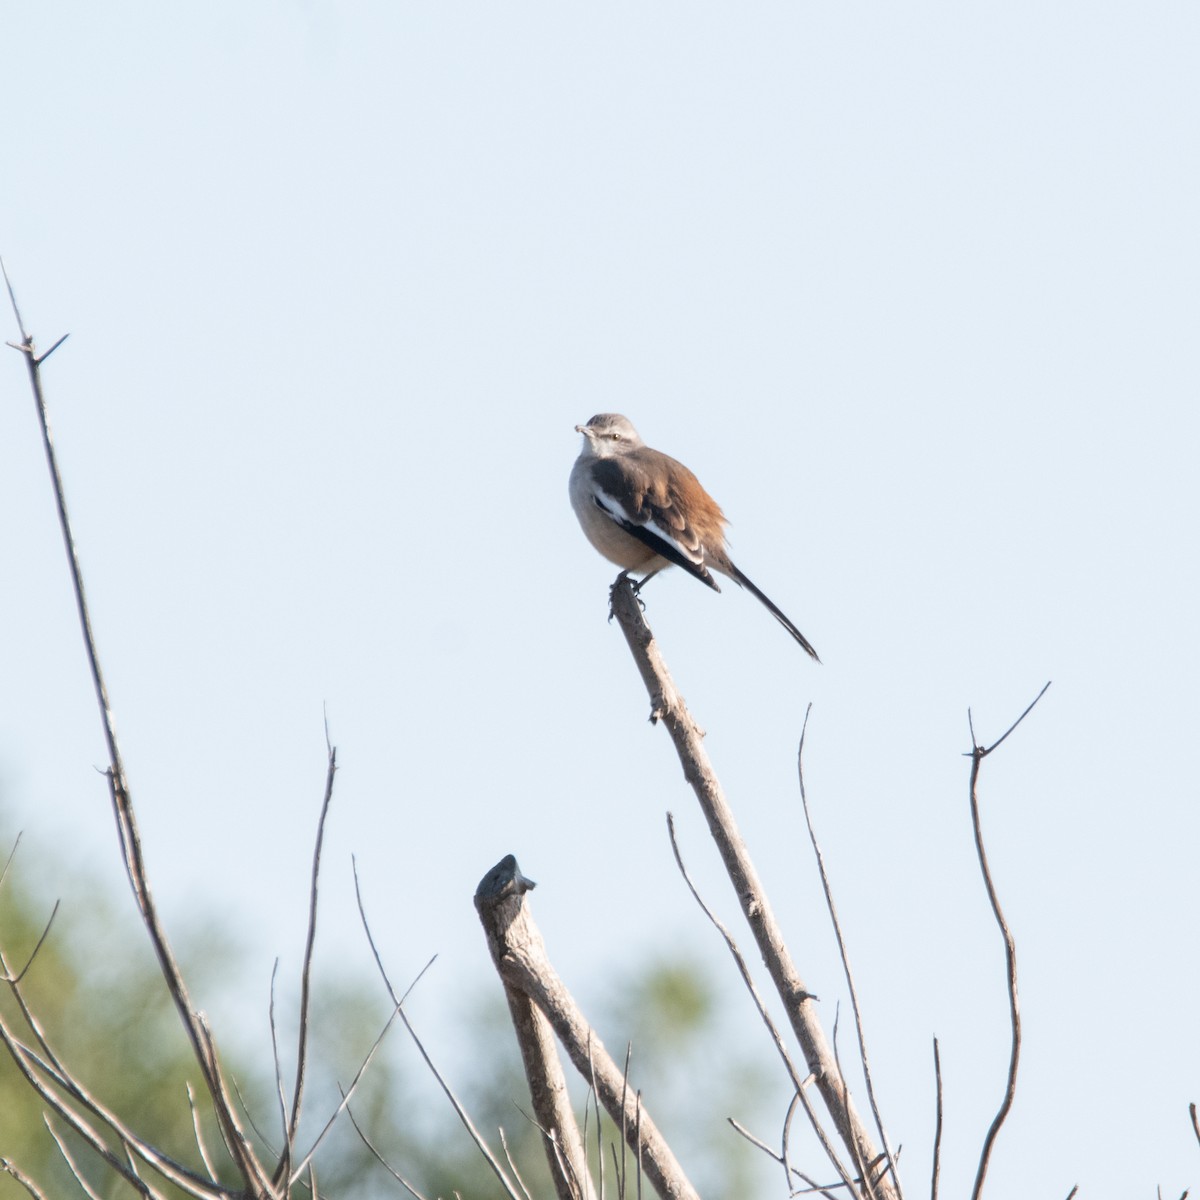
634,587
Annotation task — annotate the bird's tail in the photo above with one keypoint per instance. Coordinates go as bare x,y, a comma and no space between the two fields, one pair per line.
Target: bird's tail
772,608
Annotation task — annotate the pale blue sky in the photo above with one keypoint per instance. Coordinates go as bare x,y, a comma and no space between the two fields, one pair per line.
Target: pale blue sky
913,288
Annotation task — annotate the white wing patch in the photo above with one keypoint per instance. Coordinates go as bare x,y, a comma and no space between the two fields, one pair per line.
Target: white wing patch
615,509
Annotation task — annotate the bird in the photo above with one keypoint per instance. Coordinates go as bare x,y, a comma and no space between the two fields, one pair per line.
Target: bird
644,511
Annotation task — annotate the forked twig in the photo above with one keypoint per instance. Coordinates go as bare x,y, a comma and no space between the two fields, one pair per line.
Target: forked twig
249,1167
977,754
826,1190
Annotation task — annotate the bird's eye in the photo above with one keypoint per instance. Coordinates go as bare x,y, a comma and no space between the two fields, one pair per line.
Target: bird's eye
616,437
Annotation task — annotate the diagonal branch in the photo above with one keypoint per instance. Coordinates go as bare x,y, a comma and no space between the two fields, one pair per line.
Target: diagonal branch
519,953
668,705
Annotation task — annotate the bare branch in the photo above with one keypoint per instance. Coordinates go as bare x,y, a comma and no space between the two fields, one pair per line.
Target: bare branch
284,1167
826,1190
563,1142
859,1165
845,956
599,1120
561,1166
978,754
28,1014
520,956
346,1096
4,875
33,1068
366,1141
667,704
252,1173
937,1129
1195,1122
73,1167
983,753
799,1082
10,1168
398,1002
258,1133
508,1158
306,973
20,1055
200,1146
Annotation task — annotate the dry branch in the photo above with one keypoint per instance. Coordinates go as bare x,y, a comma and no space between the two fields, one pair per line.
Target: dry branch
520,957
253,1173
667,705
977,754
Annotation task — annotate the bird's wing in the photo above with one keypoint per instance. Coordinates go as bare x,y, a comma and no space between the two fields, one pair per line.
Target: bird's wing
647,494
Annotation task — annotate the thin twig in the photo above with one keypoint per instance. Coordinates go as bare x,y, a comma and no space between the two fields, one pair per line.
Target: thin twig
258,1133
33,1067
624,1108
366,1141
200,1146
73,1166
346,1095
243,1155
281,1171
3,876
398,1002
638,1131
845,956
10,1168
859,1165
509,1159
826,1190
1195,1122
29,1016
799,1082
977,754
595,1095
937,1129
565,1168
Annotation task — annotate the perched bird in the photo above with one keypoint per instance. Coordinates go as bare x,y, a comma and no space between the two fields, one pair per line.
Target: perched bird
644,511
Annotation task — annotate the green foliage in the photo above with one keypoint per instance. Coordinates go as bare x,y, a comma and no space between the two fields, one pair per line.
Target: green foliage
95,989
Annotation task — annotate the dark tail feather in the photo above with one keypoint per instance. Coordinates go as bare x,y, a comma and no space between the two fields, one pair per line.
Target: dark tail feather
772,608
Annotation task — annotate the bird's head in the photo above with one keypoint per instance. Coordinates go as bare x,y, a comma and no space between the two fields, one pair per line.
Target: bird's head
607,435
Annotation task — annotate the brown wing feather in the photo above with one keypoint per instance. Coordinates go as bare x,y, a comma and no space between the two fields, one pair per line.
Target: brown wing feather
655,490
